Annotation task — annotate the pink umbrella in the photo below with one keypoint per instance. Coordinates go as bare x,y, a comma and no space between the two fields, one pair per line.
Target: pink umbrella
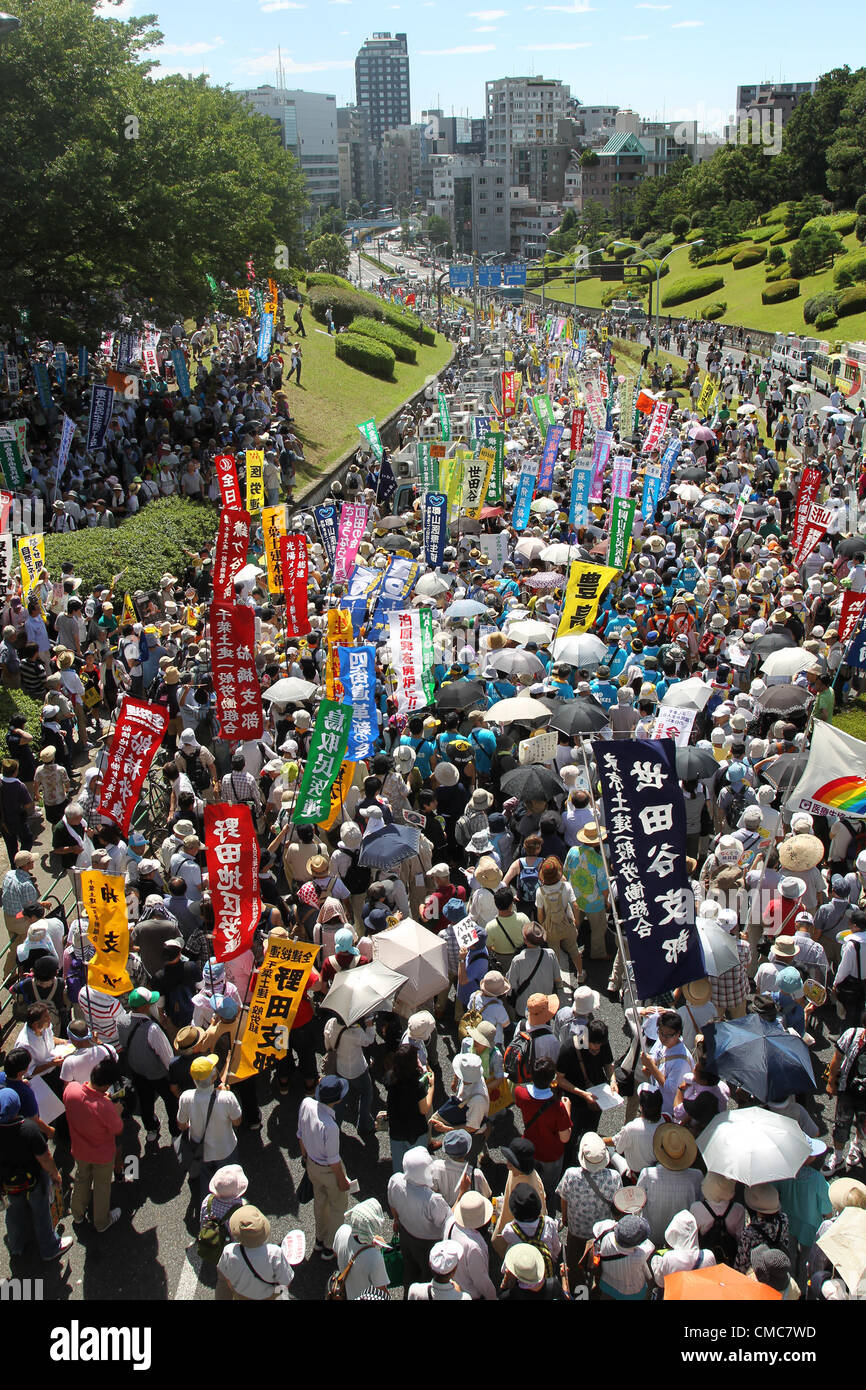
549,579
701,432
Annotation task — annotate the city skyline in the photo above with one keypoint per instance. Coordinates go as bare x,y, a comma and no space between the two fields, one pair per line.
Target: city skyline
649,57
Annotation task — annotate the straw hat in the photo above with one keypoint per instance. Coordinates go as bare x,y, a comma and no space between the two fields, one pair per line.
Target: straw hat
541,1008
629,1200
697,992
591,834
801,852
674,1147
249,1227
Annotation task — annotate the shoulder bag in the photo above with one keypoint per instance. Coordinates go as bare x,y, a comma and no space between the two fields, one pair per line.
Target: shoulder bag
336,1291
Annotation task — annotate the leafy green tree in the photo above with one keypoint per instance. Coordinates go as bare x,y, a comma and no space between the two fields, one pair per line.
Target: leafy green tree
588,159
438,229
816,125
775,256
813,250
330,221
680,225
846,154
353,209
331,252
121,190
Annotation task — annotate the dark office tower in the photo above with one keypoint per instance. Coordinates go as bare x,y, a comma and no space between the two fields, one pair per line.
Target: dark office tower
382,83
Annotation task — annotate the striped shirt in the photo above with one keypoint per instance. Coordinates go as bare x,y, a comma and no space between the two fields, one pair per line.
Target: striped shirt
240,789
18,891
102,1012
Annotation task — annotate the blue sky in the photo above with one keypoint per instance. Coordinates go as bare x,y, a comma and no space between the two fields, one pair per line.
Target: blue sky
663,59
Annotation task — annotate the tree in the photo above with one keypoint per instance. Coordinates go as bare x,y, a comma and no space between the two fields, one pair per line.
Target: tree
331,220
331,252
594,219
121,192
680,225
353,209
813,250
438,230
846,153
588,159
775,256
817,124
622,208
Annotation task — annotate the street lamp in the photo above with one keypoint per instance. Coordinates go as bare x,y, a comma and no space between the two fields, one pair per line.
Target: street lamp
698,242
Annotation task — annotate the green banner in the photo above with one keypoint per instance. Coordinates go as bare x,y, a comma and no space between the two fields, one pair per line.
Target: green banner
444,418
10,458
259,300
496,488
324,760
620,531
371,434
428,469
212,286
544,413
427,654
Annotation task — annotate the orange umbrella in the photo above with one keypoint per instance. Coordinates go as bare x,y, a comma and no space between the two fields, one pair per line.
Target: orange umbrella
716,1284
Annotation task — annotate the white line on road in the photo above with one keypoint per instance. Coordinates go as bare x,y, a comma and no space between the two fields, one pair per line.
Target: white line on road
188,1282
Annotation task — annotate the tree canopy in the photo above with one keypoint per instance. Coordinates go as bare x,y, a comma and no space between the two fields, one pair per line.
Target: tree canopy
122,188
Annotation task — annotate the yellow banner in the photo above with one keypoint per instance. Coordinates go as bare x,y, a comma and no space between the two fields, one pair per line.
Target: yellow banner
273,527
104,900
707,396
455,482
129,614
586,584
509,355
244,303
339,635
339,792
280,985
31,552
255,463
603,333
476,480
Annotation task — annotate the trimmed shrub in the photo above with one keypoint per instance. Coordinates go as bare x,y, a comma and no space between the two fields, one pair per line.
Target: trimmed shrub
860,229
841,222
648,238
150,543
714,311
779,238
619,253
661,246
751,256
679,225
827,319
852,301
321,277
817,305
779,272
849,269
764,233
406,322
344,304
14,702
691,287
775,256
402,347
695,223
860,205
364,353
782,290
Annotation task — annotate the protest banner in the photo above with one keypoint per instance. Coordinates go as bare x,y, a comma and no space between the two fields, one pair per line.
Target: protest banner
295,576
444,418
673,722
581,484
600,453
578,424
280,984
232,854
327,750
371,435
138,733
353,521
586,584
10,458
807,494
326,524
358,679
850,614
31,554
539,749
525,491
236,681
273,530
434,510
339,634
658,424
407,659
227,476
834,776
104,899
101,406
548,458
398,581
620,531
230,554
255,469
509,395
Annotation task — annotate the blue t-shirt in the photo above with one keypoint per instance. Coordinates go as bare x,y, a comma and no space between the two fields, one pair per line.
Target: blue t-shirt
483,747
604,692
29,1107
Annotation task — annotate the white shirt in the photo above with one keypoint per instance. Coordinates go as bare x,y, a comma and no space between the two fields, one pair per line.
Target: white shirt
79,1064
674,1064
267,1260
635,1143
219,1139
368,1270
319,1132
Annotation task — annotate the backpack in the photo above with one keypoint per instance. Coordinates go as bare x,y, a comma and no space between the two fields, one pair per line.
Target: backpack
718,1239
520,1057
852,990
25,995
76,977
556,914
196,772
357,878
179,1005
212,1236
527,881
735,808
537,1243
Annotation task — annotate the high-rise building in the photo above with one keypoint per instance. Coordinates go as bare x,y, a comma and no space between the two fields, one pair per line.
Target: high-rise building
523,111
355,151
473,199
780,96
308,129
382,83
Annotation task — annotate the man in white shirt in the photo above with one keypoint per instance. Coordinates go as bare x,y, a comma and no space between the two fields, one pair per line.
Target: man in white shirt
211,1117
634,1143
252,1270
80,1063
319,1138
669,1059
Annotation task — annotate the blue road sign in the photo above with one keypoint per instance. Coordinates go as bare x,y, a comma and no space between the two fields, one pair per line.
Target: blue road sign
514,275
460,277
489,277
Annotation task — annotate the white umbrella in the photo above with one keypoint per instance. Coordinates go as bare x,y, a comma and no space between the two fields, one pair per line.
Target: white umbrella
514,446
529,630
514,659
529,548
561,554
520,708
419,956
288,690
842,417
687,492
754,1146
357,993
844,1244
787,662
718,946
689,694
432,585
583,650
249,573
544,504
746,408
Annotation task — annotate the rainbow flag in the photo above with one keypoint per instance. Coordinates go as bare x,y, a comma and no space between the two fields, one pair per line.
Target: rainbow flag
834,778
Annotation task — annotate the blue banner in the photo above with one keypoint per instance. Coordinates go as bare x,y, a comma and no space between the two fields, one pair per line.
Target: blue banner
60,366
524,494
327,525
435,511
581,342
548,458
581,482
669,458
645,814
651,487
387,484
83,362
480,426
364,582
266,333
101,403
65,442
43,385
358,678
398,582
855,656
181,372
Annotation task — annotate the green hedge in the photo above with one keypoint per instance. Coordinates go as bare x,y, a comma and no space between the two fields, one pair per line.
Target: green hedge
783,289
619,253
14,702
841,222
779,238
817,305
403,348
405,322
851,268
826,319
778,272
714,311
366,354
851,301
694,234
320,277
345,305
724,255
763,233
751,256
144,547
691,287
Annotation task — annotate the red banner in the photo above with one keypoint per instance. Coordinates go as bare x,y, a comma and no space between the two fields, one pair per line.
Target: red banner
6,500
227,475
814,531
236,681
807,493
578,423
138,733
295,569
852,610
658,425
232,544
509,394
232,852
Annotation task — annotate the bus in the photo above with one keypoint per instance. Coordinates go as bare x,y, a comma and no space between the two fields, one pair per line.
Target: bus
845,368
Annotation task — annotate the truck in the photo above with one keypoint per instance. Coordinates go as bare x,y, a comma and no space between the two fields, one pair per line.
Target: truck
790,353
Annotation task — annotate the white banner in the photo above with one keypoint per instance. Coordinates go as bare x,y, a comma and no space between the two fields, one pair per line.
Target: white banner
674,723
407,661
494,547
541,749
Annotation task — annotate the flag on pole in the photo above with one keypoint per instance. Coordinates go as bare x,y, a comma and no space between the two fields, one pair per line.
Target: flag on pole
834,778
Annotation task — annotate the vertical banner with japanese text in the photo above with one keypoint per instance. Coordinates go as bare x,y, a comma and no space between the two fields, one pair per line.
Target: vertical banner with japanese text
327,750
139,731
104,899
273,530
295,570
358,679
586,584
326,524
236,681
232,853
434,509
353,520
230,553
281,981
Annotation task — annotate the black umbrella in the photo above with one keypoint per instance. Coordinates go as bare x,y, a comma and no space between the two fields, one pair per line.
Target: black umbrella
532,783
579,717
460,694
692,475
851,546
782,698
693,763
773,642
753,511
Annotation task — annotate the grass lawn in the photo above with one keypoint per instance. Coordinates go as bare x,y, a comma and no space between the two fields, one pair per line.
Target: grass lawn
741,293
852,719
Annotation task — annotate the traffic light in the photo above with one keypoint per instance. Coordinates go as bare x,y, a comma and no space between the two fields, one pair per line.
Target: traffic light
611,272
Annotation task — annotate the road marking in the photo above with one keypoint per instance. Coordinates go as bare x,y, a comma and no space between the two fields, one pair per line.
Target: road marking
189,1280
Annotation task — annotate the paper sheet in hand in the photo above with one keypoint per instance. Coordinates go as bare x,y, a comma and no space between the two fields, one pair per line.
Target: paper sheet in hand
607,1099
50,1105
465,932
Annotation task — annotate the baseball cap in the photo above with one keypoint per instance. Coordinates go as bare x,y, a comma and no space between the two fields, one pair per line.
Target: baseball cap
202,1067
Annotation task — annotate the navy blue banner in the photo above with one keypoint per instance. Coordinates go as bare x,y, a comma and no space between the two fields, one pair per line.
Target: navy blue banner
266,332
526,481
327,526
83,366
43,385
856,653
358,678
669,458
181,372
101,403
435,527
60,367
581,482
548,458
645,817
387,484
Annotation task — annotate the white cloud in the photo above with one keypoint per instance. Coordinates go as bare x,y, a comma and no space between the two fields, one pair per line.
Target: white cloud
578,7
271,5
634,38
689,24
190,50
486,29
121,11
267,62
485,16
466,48
551,47
652,7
